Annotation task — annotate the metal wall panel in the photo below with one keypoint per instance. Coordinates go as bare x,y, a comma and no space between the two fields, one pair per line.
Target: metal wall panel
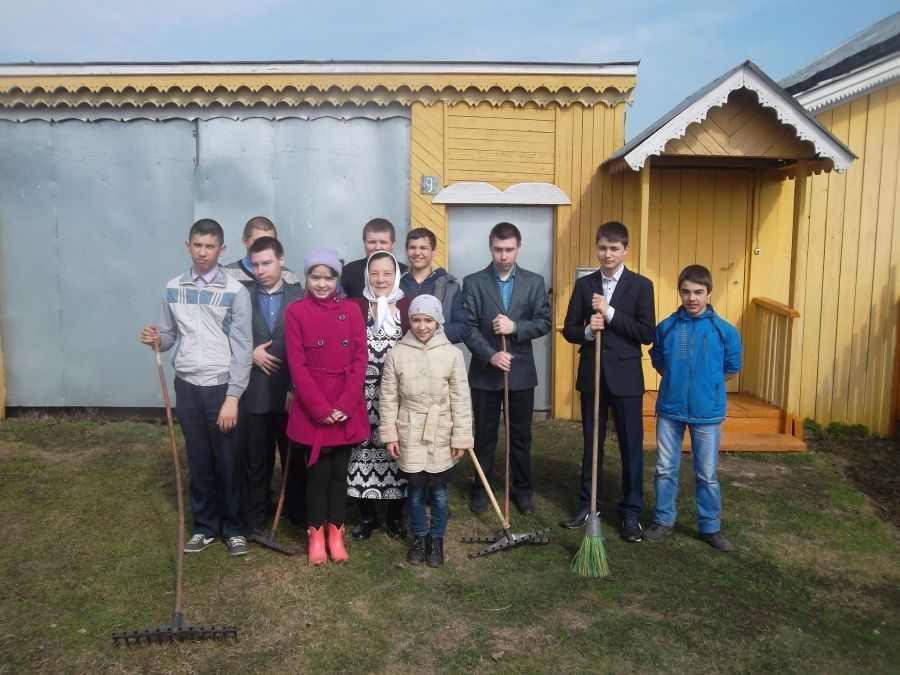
29,265
93,217
469,252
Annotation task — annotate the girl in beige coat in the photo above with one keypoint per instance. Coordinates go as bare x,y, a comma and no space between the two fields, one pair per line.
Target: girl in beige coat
426,421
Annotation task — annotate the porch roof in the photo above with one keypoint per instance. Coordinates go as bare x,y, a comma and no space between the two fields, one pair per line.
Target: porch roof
694,109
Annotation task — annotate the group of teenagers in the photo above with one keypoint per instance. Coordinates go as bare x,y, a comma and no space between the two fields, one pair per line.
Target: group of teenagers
353,367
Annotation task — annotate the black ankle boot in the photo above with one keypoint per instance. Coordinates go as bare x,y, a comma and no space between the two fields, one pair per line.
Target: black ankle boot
416,555
434,555
364,528
395,529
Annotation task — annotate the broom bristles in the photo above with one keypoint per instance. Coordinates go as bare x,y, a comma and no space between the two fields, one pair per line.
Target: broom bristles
590,561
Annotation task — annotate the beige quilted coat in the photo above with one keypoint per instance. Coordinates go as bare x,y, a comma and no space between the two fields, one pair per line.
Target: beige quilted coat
425,403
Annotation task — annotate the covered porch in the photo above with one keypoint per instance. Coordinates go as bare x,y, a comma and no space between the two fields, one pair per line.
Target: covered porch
722,182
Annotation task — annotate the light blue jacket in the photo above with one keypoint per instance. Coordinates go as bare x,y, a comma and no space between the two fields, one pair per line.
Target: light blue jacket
693,354
212,329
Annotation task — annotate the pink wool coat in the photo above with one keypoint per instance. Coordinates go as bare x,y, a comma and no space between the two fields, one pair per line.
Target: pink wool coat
327,357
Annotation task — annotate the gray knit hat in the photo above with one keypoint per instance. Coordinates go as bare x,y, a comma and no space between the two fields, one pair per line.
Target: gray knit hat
429,306
322,255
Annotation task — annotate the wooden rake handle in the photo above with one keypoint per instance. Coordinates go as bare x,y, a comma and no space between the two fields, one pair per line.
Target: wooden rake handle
179,566
487,488
506,434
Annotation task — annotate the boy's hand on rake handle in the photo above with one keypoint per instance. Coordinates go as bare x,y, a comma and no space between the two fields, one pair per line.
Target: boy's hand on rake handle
457,453
149,334
502,360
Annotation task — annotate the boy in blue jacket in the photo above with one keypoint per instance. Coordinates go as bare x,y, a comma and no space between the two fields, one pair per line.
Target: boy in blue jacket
696,352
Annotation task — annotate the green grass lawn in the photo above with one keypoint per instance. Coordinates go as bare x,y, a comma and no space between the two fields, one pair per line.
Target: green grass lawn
88,533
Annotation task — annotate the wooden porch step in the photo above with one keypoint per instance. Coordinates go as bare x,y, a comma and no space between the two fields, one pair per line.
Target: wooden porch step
750,425
742,442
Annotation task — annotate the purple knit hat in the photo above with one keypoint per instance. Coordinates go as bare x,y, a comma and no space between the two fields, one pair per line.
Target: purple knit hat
322,255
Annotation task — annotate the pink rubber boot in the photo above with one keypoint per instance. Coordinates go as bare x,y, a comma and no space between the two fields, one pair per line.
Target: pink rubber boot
336,544
317,546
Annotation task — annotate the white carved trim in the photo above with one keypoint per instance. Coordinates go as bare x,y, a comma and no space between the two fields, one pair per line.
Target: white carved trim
833,92
320,68
371,111
520,194
770,97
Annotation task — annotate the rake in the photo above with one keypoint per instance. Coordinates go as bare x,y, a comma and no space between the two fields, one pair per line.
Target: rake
270,541
176,629
504,539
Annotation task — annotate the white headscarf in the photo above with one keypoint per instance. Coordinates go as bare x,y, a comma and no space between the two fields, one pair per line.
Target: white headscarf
384,317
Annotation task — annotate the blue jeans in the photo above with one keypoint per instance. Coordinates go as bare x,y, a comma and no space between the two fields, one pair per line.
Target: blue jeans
214,460
440,509
705,439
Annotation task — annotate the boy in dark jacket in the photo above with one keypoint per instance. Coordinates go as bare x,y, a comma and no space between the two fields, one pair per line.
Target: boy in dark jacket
696,352
423,278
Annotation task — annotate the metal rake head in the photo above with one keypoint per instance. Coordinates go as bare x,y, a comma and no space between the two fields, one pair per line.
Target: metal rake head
507,539
174,631
272,543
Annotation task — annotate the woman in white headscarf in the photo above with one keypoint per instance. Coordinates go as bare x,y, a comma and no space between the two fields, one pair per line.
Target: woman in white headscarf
373,475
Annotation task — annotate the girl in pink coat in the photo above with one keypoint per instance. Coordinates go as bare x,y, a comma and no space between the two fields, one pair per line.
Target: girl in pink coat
327,357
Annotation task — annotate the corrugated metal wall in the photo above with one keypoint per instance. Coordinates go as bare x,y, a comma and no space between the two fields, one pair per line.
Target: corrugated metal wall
93,216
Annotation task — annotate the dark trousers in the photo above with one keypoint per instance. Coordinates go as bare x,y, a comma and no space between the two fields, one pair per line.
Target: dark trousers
486,407
628,416
260,435
326,486
214,460
368,509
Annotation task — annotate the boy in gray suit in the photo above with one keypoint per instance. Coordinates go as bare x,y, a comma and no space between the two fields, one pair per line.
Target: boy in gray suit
504,299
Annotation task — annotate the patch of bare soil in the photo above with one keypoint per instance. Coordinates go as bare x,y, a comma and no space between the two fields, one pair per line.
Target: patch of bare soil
871,464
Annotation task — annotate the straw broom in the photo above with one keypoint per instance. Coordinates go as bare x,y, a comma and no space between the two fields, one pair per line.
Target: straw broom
590,561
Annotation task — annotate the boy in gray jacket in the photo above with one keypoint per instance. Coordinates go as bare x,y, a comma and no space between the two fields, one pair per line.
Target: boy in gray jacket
208,313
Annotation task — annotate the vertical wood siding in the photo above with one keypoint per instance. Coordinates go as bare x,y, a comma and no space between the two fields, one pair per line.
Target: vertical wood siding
850,278
428,150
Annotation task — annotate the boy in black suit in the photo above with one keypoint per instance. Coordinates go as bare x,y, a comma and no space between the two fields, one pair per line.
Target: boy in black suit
618,302
504,299
266,401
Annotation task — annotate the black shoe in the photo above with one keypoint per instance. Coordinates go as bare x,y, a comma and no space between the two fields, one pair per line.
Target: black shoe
364,529
632,532
434,556
478,502
524,504
717,540
394,528
416,555
656,532
577,520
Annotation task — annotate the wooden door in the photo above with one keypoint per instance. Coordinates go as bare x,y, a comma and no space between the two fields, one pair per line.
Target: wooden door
699,216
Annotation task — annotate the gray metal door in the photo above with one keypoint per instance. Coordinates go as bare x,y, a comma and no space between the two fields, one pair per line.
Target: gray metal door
469,252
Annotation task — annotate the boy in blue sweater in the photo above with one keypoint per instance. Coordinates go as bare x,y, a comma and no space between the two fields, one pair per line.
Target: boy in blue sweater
696,352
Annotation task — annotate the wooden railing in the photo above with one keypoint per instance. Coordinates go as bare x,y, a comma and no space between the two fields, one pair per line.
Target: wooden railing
768,354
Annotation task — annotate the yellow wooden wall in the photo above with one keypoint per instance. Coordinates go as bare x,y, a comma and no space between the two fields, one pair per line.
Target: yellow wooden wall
514,144
848,279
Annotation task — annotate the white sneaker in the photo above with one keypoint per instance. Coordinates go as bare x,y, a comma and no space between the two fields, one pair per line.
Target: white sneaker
197,543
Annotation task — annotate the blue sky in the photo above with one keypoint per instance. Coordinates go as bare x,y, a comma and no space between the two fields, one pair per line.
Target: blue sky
681,44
